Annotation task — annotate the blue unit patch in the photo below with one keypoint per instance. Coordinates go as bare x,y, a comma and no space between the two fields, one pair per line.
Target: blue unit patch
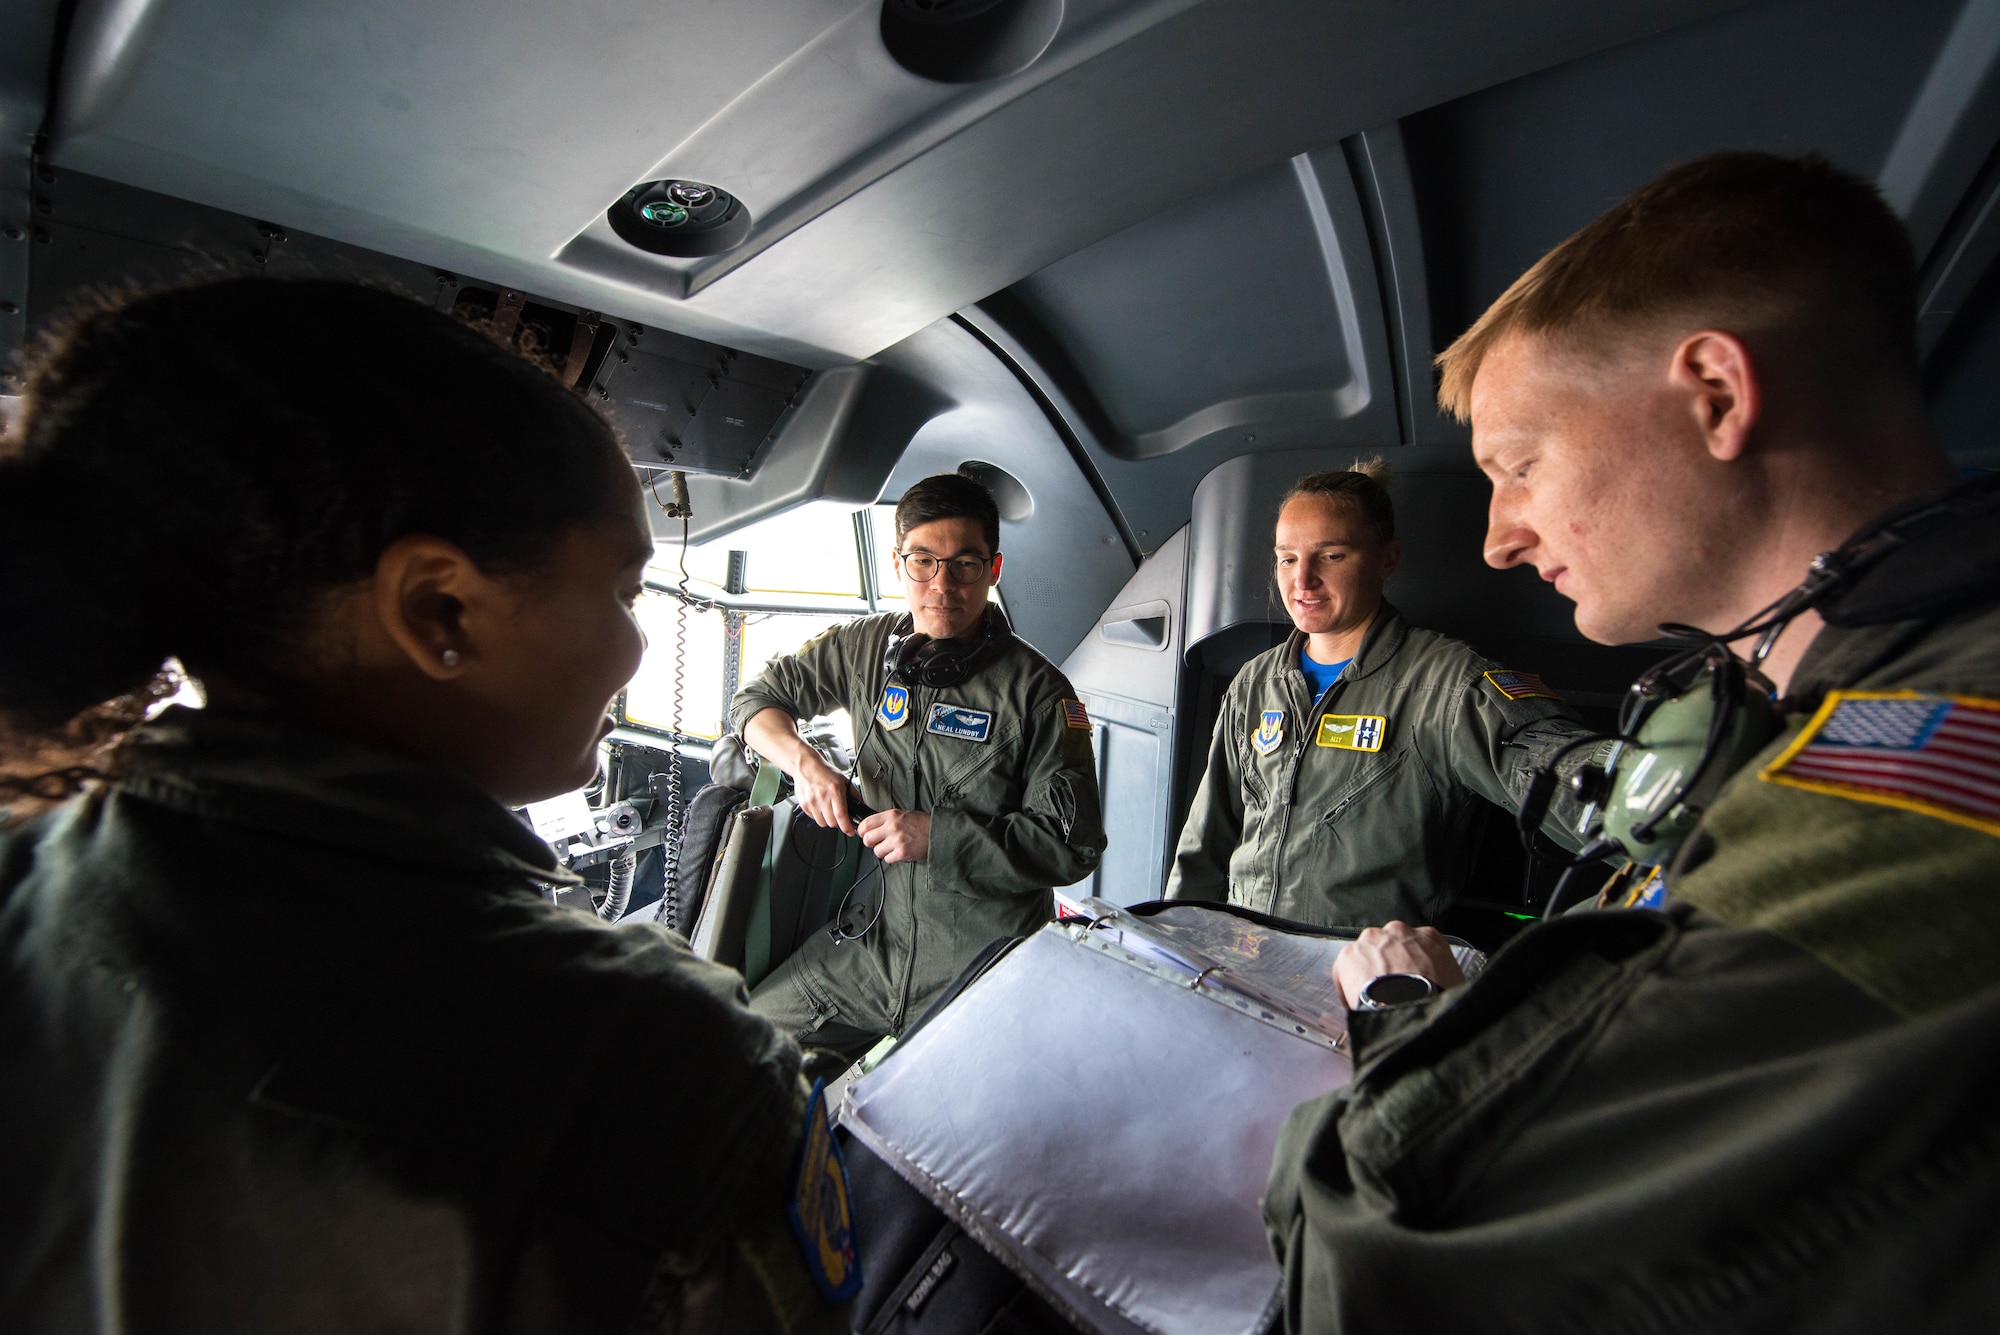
822,1219
1270,734
895,708
968,725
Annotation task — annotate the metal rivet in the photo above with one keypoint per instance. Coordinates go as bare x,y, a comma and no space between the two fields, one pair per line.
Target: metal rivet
15,234
9,308
42,234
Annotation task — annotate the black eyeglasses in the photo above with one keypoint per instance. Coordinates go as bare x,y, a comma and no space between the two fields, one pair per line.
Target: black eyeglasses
960,569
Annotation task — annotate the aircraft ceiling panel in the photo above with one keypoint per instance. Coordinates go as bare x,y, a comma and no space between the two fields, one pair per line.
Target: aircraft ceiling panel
1243,294
1499,176
1506,173
1065,557
491,138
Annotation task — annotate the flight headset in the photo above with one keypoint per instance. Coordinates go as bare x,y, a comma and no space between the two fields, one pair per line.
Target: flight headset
913,659
1692,721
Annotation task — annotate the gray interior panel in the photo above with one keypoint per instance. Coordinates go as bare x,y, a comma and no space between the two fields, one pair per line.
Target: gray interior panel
1504,174
1065,559
1128,671
1261,324
490,139
840,444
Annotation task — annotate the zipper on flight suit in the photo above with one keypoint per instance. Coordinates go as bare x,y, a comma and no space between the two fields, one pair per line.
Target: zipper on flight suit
1308,725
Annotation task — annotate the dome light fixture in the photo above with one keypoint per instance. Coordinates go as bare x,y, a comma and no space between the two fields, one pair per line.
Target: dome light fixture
967,41
681,218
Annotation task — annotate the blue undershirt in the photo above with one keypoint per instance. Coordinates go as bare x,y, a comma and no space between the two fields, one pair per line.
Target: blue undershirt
1321,675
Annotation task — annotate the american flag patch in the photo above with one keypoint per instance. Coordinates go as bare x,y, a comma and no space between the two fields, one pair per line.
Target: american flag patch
1521,686
1936,754
1076,715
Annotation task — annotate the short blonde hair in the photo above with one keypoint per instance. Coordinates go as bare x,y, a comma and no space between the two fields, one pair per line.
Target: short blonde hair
1748,240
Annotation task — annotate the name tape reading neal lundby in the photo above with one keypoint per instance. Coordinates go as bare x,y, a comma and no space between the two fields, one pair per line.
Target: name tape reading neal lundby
968,725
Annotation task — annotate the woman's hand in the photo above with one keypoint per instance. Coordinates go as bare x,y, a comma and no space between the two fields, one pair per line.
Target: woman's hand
1395,948
898,836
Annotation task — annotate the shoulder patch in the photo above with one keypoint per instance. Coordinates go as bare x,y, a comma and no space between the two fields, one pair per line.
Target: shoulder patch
822,1219
1075,715
1269,733
1934,754
1352,732
894,711
1521,685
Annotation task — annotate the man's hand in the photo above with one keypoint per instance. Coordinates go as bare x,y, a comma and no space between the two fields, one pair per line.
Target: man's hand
821,792
1395,948
898,836
818,788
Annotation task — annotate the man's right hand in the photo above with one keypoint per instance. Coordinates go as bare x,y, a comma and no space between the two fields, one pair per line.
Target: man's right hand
1395,948
819,788
821,792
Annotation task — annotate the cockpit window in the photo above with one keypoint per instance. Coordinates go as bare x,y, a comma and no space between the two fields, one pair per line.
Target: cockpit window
751,596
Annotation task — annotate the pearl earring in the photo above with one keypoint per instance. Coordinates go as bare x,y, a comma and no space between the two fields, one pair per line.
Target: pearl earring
449,658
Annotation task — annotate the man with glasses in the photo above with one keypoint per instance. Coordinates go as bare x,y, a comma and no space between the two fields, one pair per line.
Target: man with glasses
974,755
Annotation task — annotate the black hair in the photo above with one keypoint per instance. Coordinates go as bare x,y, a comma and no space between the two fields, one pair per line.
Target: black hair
1364,487
194,468
949,496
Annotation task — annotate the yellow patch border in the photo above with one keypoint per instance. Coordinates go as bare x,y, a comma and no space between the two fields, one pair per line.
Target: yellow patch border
1773,772
1269,734
1382,734
1544,694
893,719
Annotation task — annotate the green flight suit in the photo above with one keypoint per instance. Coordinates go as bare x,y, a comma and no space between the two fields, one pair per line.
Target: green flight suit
1772,1107
1014,813
292,1040
1293,820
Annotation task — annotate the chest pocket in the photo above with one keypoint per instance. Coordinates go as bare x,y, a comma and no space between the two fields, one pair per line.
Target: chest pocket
978,776
1383,785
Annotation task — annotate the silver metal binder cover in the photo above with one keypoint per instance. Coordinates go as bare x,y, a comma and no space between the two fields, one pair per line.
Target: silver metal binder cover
1104,1129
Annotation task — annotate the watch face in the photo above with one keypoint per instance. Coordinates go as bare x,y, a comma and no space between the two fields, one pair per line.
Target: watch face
1398,989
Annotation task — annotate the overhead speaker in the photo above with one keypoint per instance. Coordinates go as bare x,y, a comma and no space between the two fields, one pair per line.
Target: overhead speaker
684,218
965,41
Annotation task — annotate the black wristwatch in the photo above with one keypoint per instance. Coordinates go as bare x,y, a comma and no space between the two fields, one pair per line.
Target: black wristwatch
1395,989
